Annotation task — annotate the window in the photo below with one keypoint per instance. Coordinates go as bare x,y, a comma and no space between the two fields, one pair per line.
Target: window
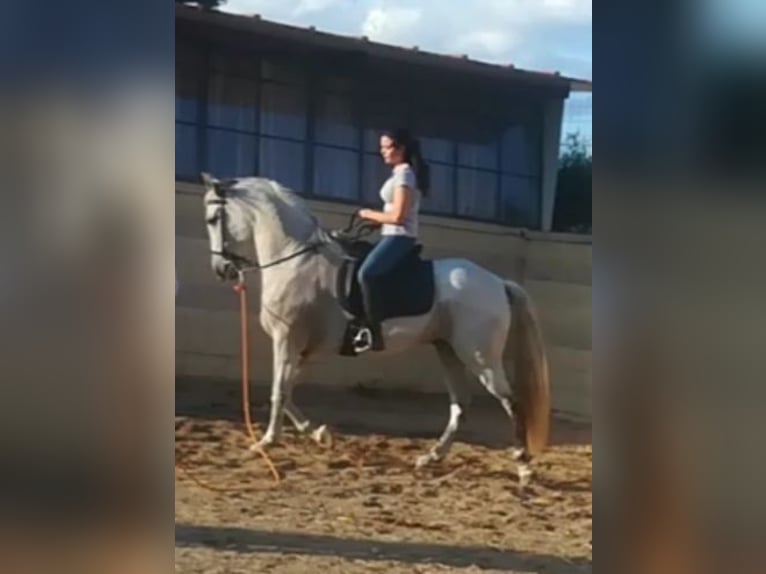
374,175
283,161
283,111
335,122
336,168
441,196
436,141
230,154
520,185
336,173
381,117
232,103
477,193
256,122
187,114
436,149
478,145
188,82
187,103
478,155
520,201
521,150
186,151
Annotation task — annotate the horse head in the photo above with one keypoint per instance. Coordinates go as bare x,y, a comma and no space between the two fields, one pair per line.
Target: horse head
228,234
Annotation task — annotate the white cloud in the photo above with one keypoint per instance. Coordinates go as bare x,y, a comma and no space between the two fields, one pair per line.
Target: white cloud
338,16
537,11
539,34
254,6
391,25
313,6
495,43
535,34
572,10
289,11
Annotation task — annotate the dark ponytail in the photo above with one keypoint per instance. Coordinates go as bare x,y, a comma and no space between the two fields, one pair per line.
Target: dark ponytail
413,156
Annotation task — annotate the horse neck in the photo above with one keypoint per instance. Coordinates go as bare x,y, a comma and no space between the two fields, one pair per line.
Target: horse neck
280,229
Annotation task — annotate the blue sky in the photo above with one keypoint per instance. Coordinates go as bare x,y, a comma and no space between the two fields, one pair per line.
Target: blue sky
534,34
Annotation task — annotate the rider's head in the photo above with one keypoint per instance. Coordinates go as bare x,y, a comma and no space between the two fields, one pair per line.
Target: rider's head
400,147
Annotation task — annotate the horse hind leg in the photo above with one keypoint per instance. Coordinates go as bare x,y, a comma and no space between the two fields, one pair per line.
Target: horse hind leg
319,434
495,381
459,401
491,373
301,423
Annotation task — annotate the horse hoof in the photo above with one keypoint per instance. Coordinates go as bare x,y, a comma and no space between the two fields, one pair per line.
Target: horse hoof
424,460
517,454
263,444
525,476
323,437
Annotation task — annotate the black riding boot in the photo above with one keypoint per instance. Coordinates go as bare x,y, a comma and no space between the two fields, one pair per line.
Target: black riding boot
373,318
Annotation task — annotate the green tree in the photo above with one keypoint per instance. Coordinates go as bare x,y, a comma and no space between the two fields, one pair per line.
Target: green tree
574,189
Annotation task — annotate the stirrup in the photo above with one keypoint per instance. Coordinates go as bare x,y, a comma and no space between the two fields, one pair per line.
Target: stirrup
363,340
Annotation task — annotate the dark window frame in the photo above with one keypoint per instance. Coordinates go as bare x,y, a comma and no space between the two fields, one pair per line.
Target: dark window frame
361,108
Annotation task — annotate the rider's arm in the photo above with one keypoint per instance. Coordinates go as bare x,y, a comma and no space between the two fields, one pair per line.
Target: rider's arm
397,215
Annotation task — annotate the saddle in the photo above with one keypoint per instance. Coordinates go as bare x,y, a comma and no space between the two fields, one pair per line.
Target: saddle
406,291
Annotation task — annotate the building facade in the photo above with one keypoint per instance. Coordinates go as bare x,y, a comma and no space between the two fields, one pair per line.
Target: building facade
307,108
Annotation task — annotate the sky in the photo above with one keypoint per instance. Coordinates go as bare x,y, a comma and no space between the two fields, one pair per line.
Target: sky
544,35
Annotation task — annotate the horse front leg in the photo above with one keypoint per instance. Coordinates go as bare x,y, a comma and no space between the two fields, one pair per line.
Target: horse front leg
286,365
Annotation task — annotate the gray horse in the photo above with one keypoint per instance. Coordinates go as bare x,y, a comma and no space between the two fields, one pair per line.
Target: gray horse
475,320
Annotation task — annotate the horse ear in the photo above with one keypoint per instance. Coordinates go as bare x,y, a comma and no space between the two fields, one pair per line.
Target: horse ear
211,183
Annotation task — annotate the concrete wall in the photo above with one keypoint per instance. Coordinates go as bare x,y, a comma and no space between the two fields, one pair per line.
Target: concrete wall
556,270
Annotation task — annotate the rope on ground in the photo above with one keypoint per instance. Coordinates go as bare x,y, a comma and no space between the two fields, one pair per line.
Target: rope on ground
240,289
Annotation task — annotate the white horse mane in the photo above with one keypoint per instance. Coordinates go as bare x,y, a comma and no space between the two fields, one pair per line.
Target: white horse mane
255,187
289,206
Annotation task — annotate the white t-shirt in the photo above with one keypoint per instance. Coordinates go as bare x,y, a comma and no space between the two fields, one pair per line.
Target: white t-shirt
402,174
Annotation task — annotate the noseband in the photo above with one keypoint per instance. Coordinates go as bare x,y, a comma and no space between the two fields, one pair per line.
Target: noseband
219,219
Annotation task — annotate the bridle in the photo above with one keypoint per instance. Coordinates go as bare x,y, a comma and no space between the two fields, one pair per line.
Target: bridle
219,219
243,264
354,231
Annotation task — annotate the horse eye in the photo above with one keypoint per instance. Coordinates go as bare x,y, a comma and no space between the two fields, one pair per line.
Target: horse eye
212,220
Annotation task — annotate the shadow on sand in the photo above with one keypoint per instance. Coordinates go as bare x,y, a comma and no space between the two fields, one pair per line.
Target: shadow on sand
257,541
361,412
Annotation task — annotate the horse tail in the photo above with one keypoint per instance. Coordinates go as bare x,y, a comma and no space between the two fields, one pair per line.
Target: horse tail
531,386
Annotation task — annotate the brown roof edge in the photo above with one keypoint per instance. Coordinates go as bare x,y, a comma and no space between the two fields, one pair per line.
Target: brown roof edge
582,86
460,63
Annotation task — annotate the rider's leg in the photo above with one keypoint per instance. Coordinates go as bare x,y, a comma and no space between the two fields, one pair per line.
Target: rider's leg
382,259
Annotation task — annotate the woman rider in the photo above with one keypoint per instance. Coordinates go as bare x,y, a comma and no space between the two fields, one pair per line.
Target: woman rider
401,194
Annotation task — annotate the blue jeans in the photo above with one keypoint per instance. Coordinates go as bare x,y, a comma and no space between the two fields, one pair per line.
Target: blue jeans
383,258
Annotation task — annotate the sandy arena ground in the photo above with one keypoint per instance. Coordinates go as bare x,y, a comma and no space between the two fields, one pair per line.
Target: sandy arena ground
361,507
